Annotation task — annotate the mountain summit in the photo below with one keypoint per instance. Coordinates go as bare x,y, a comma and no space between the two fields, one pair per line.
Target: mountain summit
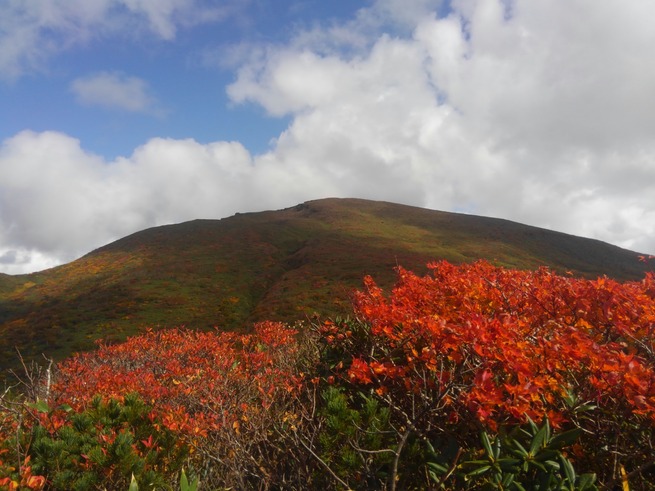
277,265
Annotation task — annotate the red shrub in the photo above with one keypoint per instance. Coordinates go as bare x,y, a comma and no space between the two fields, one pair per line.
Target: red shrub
504,345
198,382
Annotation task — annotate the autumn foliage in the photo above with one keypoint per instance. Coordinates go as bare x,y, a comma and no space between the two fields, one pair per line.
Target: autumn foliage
217,391
506,345
395,397
477,346
197,381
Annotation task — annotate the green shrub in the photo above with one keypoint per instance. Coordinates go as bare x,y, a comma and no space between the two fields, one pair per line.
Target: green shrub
359,444
527,458
104,445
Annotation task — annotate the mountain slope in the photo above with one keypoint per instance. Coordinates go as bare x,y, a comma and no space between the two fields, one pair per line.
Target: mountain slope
282,265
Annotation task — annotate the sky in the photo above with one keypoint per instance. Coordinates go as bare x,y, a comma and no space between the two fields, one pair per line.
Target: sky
120,115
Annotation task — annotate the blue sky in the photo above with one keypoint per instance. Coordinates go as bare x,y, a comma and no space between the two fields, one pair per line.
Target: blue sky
118,115
184,77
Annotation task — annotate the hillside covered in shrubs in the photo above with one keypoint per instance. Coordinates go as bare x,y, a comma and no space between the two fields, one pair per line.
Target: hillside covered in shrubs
470,377
277,265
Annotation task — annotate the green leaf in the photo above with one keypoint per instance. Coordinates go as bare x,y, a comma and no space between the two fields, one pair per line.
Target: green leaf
546,454
496,448
551,464
184,483
586,482
568,469
508,480
519,450
533,427
508,464
40,405
133,485
564,439
539,439
486,443
479,471
474,463
437,467
538,465
570,398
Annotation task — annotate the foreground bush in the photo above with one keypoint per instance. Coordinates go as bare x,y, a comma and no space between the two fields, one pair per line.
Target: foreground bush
471,377
475,347
222,394
103,445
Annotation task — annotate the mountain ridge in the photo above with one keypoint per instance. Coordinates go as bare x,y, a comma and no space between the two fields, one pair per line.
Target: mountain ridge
278,265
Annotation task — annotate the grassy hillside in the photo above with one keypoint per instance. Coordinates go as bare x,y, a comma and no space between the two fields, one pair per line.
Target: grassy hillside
279,265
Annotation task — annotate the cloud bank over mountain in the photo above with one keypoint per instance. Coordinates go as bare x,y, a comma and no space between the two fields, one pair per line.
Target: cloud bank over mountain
535,111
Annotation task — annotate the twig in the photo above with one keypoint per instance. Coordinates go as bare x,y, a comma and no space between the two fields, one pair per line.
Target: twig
48,379
327,467
396,460
453,466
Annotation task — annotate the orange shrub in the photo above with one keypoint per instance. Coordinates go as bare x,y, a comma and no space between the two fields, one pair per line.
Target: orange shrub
475,345
219,391
196,380
509,344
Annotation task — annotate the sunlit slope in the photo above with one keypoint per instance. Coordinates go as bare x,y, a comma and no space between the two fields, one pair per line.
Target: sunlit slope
284,264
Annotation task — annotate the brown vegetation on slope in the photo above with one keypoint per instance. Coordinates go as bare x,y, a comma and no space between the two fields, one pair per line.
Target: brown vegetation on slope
277,265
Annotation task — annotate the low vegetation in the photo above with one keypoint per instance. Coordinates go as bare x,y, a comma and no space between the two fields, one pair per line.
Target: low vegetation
471,377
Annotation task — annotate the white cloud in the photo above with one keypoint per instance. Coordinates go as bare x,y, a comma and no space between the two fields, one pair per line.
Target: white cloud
115,91
538,111
31,31
501,108
59,201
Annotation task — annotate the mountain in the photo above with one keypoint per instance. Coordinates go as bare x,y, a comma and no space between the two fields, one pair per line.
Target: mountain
279,265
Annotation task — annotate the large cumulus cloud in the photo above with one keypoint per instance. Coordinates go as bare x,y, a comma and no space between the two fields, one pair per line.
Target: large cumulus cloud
538,111
58,201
